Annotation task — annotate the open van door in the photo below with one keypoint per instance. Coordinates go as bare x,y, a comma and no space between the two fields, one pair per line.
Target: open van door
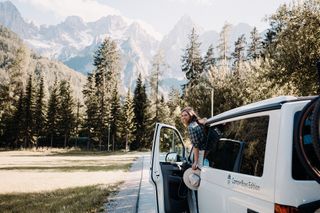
168,163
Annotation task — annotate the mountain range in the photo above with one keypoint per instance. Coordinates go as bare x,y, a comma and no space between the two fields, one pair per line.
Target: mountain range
75,41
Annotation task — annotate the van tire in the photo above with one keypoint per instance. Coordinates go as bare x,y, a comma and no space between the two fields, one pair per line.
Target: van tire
304,158
315,128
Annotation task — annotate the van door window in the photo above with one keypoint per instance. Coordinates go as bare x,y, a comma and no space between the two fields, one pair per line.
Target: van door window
241,147
171,146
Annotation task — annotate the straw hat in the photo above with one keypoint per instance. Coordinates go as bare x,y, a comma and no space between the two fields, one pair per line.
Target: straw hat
192,178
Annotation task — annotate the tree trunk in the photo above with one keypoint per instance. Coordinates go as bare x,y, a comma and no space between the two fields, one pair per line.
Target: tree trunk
65,140
51,141
113,142
127,148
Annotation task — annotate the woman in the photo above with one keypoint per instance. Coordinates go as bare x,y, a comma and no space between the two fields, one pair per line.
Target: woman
190,119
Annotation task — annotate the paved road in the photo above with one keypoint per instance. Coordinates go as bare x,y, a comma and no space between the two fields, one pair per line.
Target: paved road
146,202
136,194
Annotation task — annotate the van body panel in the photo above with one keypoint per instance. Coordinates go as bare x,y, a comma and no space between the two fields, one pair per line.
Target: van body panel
221,192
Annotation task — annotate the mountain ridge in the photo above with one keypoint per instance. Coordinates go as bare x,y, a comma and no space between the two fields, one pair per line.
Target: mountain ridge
74,42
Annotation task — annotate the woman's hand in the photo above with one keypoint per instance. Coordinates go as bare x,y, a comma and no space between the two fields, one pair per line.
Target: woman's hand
195,166
203,120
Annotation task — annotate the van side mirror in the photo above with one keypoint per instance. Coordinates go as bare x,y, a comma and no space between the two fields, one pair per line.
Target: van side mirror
172,157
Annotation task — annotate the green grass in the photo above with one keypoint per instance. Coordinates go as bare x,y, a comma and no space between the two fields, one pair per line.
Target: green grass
79,199
112,167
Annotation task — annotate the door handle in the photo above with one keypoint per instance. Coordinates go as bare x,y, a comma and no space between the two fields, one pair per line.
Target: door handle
157,173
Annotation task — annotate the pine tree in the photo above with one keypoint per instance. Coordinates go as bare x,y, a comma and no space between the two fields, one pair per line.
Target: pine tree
191,60
158,68
10,90
52,114
115,116
174,99
16,75
223,47
39,116
239,53
174,103
149,124
78,121
209,61
164,113
106,62
4,107
270,38
140,104
90,101
29,111
254,49
13,132
128,125
66,121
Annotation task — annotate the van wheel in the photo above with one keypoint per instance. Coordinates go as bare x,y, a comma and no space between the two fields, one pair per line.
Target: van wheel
304,148
315,128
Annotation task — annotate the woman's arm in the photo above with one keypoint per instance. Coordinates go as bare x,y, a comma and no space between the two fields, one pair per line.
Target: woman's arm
195,158
196,135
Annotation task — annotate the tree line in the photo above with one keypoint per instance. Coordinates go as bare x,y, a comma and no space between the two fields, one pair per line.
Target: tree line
282,62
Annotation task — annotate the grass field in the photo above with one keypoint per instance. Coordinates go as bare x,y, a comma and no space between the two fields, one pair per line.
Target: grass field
79,199
60,180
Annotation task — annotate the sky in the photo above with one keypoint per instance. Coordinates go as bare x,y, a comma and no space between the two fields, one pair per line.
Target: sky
160,14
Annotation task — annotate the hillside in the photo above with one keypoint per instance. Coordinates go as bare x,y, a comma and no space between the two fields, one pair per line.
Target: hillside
15,54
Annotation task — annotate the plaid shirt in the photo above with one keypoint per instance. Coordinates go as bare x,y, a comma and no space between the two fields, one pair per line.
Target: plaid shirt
196,134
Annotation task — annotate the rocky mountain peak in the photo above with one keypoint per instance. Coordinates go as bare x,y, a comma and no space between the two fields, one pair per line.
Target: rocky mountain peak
11,18
73,23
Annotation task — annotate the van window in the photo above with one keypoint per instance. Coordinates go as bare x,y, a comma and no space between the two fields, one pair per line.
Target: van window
170,142
240,146
226,155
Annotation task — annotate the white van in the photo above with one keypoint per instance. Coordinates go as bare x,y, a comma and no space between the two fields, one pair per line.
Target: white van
252,168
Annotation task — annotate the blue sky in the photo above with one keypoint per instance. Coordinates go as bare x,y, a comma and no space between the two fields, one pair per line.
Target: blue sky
161,14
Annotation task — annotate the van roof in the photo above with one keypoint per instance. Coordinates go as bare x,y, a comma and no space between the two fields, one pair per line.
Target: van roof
265,105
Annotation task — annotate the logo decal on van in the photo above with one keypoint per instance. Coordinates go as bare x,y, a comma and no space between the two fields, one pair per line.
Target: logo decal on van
249,185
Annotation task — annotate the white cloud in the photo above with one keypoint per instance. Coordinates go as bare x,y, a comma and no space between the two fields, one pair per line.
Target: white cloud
89,10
